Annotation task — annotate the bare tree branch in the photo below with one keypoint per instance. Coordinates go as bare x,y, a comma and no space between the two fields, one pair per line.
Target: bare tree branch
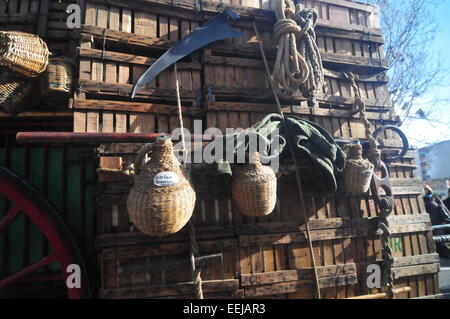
409,29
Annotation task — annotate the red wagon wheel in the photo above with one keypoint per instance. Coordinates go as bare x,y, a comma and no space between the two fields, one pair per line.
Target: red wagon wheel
26,200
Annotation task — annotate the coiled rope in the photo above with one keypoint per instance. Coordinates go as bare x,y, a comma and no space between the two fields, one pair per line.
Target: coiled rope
298,65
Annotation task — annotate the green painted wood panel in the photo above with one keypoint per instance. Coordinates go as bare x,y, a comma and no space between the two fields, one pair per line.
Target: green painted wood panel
48,179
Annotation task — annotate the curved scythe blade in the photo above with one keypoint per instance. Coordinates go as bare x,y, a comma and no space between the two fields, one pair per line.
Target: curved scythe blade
214,30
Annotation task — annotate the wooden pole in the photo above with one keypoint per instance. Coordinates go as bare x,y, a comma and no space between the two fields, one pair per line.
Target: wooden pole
383,295
294,159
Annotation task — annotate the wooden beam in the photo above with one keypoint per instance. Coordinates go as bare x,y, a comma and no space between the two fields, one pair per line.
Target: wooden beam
18,18
296,275
415,270
37,114
130,58
124,90
261,94
322,112
383,295
184,288
138,107
139,246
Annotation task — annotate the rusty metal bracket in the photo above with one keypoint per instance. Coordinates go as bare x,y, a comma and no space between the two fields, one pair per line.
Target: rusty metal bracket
383,183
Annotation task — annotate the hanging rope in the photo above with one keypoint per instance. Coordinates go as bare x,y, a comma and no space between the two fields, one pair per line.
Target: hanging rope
180,114
298,65
196,273
388,258
294,158
360,106
387,202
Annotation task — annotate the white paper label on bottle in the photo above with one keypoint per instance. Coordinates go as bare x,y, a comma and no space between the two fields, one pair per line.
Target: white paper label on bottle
165,179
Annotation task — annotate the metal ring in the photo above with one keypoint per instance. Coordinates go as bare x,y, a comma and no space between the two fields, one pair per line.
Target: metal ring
402,136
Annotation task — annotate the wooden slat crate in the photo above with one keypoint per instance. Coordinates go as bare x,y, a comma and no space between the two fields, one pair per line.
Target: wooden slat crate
108,70
228,78
273,255
338,123
341,49
112,116
112,27
224,86
60,39
338,13
130,268
25,15
47,19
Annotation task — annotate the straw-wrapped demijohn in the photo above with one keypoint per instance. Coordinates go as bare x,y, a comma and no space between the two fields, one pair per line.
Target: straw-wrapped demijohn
162,198
56,82
358,171
254,187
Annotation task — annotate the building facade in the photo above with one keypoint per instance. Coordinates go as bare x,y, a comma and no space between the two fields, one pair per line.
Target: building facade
434,166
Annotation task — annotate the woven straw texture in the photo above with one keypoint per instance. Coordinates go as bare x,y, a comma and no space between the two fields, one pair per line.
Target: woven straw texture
161,210
14,92
24,53
358,171
56,82
59,75
254,188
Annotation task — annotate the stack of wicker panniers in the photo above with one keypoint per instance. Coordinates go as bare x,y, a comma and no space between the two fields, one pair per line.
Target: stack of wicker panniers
224,85
48,20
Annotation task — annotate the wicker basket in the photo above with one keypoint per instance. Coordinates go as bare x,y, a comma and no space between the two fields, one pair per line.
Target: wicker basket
358,171
162,198
24,53
56,82
14,92
254,188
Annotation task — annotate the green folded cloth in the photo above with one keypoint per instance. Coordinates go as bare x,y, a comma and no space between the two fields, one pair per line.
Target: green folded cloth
312,144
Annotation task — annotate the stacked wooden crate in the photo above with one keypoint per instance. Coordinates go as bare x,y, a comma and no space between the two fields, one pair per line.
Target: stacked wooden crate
108,69
26,16
48,19
224,85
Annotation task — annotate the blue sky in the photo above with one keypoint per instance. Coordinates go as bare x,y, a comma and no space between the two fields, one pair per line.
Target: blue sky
442,42
422,132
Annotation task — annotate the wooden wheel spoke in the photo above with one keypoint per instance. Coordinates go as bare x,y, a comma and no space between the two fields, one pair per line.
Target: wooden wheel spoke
9,217
27,200
19,275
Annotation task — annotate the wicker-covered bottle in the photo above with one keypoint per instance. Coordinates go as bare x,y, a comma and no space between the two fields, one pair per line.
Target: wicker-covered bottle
24,53
358,171
162,198
254,187
56,82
